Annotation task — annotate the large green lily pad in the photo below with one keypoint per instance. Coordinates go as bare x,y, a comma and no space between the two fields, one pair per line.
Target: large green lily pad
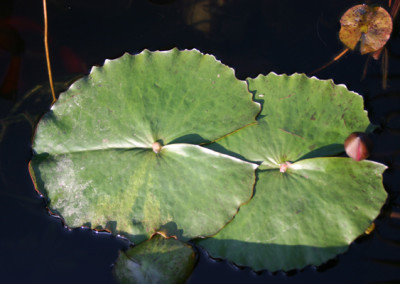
158,260
307,207
93,151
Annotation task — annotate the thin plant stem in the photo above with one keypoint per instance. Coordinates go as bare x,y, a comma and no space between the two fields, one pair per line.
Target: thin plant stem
46,47
337,57
385,68
340,54
365,68
394,9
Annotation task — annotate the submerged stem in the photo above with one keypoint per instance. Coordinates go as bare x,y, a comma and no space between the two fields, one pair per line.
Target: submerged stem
337,57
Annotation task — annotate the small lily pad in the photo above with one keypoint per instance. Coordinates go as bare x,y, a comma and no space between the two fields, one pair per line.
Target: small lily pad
371,26
157,260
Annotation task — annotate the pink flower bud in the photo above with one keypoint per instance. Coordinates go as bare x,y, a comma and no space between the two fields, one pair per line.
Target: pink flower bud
156,147
357,146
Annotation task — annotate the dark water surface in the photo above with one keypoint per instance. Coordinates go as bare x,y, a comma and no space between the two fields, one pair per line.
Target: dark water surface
253,37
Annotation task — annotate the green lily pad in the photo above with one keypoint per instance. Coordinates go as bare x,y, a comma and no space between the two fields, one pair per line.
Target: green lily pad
94,155
158,260
307,207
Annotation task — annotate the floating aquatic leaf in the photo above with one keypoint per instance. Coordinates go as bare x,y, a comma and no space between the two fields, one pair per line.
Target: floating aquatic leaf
117,147
371,26
158,260
307,207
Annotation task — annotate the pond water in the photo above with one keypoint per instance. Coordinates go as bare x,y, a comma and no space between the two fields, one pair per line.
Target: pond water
254,37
